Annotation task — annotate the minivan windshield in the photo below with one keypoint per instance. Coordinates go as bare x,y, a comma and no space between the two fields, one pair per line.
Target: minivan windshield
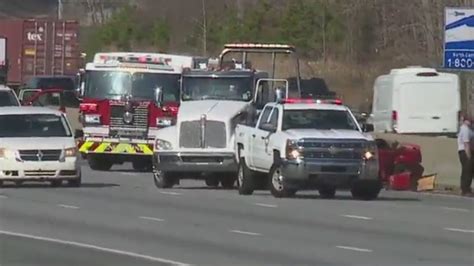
7,98
33,125
318,119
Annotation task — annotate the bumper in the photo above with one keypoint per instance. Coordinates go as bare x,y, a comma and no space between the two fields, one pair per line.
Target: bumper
195,162
116,147
336,173
39,171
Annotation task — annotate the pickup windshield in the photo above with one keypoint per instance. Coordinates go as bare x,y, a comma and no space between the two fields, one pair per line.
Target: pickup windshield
116,84
33,125
318,119
222,88
7,98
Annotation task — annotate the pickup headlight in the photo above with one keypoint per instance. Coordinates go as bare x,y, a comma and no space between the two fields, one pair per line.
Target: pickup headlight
164,121
292,150
92,119
7,154
370,152
162,145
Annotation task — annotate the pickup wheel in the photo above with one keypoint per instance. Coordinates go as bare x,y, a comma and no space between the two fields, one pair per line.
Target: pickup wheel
245,179
277,186
98,163
163,179
366,191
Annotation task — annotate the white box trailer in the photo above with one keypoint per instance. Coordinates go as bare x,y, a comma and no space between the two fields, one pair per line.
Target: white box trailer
416,100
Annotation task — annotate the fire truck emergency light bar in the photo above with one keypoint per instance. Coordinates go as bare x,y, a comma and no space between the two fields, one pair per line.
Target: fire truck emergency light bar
147,61
258,45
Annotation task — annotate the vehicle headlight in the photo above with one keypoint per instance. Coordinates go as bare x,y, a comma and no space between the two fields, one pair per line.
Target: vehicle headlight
92,119
292,150
371,152
70,152
164,121
162,145
7,154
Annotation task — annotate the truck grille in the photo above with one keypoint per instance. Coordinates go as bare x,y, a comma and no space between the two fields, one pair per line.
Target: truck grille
214,137
40,155
137,128
332,149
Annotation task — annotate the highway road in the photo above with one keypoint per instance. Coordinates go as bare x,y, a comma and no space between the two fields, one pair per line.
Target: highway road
120,218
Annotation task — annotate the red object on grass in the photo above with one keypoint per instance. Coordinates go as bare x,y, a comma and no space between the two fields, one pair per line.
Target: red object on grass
400,181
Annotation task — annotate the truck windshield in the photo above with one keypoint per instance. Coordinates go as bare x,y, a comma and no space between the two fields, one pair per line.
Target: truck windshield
33,125
202,88
7,98
318,119
115,84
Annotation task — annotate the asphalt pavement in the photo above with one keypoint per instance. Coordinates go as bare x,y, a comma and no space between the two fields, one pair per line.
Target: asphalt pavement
119,218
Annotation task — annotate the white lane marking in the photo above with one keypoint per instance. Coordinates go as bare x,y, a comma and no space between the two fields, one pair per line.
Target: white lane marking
68,206
455,209
354,248
129,174
151,218
3,197
459,230
170,193
266,205
245,233
357,217
83,245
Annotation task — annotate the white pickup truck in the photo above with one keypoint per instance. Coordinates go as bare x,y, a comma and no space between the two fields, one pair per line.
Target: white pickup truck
306,144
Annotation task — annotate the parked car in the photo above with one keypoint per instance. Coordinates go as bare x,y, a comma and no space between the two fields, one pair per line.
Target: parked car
37,144
8,97
58,99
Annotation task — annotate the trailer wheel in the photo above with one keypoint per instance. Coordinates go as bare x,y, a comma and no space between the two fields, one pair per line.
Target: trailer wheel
99,163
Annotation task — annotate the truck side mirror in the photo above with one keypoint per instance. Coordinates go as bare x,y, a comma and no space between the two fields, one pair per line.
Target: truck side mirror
159,96
368,127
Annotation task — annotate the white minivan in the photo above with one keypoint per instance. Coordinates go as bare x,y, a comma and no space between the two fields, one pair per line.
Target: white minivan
416,100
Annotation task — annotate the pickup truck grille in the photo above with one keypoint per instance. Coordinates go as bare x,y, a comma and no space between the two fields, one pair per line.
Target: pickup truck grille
214,137
40,155
137,128
332,149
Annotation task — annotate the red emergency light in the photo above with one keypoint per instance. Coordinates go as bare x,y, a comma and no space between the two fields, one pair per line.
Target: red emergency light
88,107
311,101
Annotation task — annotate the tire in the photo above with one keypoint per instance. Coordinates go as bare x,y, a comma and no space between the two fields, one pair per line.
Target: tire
367,191
245,179
277,187
163,179
228,181
212,181
99,164
1,184
75,182
56,183
327,192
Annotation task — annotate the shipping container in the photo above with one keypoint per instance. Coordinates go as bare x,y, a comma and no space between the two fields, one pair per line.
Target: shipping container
40,47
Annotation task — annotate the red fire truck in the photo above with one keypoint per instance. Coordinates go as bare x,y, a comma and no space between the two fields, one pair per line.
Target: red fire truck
126,98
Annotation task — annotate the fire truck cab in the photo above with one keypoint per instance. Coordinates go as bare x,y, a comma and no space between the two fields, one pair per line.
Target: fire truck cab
126,98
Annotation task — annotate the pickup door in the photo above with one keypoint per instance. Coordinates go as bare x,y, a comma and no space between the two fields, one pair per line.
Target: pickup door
261,140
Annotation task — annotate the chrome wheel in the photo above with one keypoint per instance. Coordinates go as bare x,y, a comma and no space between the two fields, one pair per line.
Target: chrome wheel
277,182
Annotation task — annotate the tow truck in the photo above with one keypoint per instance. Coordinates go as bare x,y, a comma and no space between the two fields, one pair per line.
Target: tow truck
308,144
213,103
126,98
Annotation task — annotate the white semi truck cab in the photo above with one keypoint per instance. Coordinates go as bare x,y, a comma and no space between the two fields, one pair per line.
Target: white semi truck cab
307,144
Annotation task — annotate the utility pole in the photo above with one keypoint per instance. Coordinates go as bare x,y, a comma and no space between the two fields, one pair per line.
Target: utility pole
204,28
60,9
